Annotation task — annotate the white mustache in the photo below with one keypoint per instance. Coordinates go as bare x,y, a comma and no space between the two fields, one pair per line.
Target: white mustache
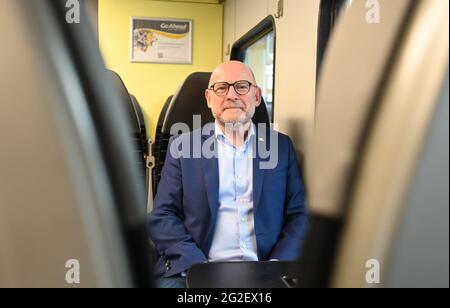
234,107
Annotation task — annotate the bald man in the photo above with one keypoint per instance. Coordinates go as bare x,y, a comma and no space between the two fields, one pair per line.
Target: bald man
242,200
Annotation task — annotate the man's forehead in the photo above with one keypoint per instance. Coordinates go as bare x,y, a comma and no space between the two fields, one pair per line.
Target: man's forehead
232,71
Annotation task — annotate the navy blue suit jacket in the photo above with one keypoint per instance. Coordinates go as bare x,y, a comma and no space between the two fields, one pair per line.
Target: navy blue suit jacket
183,219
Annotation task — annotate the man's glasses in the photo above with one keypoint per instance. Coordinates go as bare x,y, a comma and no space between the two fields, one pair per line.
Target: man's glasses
241,87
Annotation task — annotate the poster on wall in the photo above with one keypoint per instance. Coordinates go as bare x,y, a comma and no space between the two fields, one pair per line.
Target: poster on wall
158,40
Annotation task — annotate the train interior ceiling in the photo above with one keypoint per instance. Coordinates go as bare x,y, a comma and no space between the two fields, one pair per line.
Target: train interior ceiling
361,88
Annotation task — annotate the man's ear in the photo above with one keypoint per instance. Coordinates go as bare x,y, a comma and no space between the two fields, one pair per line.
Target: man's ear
258,97
207,96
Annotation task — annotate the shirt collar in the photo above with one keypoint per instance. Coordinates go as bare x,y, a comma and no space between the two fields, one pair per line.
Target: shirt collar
219,133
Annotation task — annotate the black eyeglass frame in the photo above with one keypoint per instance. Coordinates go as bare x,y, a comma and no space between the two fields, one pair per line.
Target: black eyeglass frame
232,85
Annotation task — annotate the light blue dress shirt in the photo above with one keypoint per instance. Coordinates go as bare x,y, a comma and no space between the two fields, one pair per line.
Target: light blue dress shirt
234,238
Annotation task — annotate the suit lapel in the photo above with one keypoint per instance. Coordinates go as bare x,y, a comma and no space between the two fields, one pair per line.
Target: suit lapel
211,177
258,173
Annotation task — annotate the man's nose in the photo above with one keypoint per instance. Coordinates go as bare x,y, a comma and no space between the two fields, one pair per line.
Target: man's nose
232,94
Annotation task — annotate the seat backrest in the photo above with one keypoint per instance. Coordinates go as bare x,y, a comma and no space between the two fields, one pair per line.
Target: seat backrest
141,123
163,113
76,203
187,102
136,117
156,144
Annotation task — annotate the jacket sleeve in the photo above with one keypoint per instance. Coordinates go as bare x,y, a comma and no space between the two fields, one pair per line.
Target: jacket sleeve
296,221
173,242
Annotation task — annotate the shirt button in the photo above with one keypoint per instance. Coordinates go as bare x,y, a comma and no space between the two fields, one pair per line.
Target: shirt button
243,219
240,177
244,246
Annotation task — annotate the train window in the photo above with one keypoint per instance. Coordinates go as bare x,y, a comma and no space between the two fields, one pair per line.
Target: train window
257,50
330,10
260,57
